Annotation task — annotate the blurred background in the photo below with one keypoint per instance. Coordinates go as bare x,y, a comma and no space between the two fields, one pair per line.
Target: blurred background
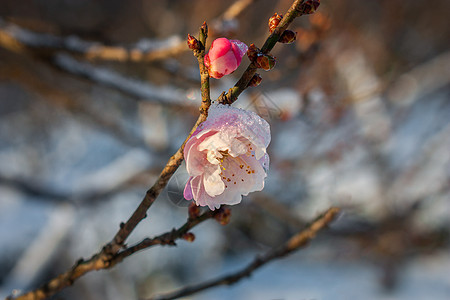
96,95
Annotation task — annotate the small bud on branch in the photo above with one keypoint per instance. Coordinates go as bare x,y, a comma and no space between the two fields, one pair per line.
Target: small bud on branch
265,61
255,81
224,216
288,37
309,7
204,29
274,21
193,43
261,60
253,52
188,236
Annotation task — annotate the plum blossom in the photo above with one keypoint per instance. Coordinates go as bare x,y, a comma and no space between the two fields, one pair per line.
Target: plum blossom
224,57
226,157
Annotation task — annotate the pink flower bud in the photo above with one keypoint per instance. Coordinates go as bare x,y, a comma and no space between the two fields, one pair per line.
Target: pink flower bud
226,157
224,57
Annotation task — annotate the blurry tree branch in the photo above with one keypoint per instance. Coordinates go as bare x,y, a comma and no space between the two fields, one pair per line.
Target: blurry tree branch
278,210
110,78
145,50
167,238
227,22
296,242
101,75
236,9
34,76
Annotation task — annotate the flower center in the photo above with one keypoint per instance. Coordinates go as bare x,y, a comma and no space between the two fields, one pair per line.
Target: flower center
234,170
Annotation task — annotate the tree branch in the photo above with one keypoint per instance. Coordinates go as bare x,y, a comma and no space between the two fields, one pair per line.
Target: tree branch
145,50
167,238
293,12
204,74
296,242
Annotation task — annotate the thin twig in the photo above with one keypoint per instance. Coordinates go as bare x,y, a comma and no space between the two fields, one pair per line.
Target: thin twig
293,12
296,242
204,74
167,238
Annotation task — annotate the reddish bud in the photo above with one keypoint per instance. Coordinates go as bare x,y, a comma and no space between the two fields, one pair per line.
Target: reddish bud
252,52
204,29
256,80
188,236
309,7
223,216
265,61
193,43
274,21
193,210
288,37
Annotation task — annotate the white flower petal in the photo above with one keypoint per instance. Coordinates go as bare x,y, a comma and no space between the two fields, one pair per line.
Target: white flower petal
212,181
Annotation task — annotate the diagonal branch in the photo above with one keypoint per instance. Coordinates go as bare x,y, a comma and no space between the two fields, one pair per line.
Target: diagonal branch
294,11
296,242
167,238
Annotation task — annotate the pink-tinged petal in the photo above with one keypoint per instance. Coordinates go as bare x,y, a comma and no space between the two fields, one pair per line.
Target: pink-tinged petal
238,122
196,186
188,190
257,173
227,198
195,159
243,174
207,61
213,145
212,180
265,162
239,49
237,147
219,47
224,65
